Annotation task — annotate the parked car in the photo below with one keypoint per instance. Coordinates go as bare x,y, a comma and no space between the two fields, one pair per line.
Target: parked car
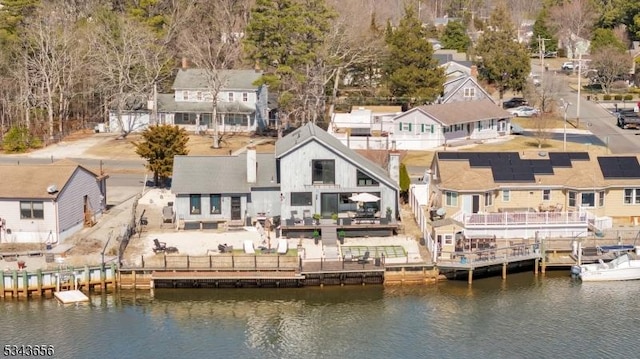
516,129
524,111
536,80
514,102
567,65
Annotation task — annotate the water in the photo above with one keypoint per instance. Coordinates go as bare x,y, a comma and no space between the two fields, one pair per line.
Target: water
523,317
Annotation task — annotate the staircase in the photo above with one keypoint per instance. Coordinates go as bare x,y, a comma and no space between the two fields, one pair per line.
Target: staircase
330,240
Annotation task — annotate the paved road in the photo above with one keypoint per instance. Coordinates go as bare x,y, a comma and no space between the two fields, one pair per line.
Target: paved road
598,117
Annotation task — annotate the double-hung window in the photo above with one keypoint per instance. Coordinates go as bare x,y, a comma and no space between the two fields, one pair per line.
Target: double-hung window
31,210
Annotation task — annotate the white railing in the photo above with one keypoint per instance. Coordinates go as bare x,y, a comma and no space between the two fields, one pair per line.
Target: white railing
524,218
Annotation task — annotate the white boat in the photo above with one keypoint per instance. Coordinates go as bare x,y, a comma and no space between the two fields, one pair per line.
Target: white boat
624,267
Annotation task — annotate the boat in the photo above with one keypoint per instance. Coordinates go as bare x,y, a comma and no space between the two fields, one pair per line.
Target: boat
624,267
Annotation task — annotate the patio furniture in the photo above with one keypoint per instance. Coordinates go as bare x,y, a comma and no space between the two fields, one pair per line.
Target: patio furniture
248,247
364,259
162,247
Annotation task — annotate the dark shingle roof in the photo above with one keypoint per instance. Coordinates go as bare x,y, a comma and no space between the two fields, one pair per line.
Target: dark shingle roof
220,174
194,79
311,132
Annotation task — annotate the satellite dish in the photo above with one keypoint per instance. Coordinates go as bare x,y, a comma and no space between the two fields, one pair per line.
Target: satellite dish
441,212
52,189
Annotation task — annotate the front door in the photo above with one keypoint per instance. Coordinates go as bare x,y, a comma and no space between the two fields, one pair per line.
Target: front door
328,204
236,208
475,206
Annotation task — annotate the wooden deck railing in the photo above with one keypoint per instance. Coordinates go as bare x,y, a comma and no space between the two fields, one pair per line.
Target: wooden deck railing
524,218
218,262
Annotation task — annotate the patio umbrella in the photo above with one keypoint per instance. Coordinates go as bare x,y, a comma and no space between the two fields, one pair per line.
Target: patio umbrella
364,197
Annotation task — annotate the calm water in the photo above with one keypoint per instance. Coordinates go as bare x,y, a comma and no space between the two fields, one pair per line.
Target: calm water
524,317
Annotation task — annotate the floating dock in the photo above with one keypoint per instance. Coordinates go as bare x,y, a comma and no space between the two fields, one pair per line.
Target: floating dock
71,296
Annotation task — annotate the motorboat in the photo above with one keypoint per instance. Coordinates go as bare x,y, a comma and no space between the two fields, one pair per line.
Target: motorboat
624,267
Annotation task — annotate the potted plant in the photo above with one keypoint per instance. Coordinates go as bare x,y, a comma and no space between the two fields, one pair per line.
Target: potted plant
341,235
316,236
334,217
317,217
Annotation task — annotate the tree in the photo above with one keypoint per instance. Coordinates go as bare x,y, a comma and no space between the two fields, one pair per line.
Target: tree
210,39
405,181
410,69
160,144
455,37
573,21
611,64
605,37
542,30
284,37
504,62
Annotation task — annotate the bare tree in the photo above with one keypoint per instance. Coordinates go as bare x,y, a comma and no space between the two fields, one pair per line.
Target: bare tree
611,64
542,129
210,37
574,19
546,94
50,47
128,60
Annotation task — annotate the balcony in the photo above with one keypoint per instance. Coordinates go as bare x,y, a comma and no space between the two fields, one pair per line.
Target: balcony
519,219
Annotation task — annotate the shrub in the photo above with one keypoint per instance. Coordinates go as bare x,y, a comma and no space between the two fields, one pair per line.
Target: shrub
606,97
628,97
617,97
18,139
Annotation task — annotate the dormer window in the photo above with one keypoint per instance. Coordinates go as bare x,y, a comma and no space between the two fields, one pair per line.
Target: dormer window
230,96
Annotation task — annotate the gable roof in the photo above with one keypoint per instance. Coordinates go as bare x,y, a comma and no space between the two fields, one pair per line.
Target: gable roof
453,86
310,132
579,170
454,113
32,181
220,174
193,79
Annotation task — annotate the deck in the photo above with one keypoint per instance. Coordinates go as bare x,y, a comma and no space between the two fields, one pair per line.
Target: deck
506,219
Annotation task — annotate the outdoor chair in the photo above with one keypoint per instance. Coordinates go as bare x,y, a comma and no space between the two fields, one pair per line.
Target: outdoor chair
162,247
364,259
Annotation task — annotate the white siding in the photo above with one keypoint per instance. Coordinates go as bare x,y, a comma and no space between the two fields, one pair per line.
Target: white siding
27,230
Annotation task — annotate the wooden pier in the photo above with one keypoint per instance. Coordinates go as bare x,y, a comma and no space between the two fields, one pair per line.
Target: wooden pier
25,284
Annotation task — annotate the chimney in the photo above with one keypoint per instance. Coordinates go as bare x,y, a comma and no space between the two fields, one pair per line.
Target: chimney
474,72
394,163
185,63
256,67
252,164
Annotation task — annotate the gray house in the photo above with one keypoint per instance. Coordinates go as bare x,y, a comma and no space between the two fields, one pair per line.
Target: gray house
311,172
48,203
318,174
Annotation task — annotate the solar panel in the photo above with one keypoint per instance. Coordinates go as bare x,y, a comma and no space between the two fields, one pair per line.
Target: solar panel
523,177
560,159
579,156
448,155
619,167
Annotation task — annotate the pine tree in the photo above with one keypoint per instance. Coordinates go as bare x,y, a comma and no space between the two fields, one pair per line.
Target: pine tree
455,37
160,144
410,69
505,63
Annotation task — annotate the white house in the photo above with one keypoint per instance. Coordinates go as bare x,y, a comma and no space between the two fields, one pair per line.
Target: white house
48,203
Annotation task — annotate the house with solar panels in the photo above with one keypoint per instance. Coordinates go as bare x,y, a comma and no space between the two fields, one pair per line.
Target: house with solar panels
524,195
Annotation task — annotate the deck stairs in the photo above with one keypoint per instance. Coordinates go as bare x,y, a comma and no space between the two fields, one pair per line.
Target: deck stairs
330,240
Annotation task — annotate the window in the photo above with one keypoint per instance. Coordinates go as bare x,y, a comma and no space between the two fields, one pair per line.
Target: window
365,180
245,97
572,199
31,209
324,171
632,196
181,118
451,198
506,195
179,96
588,199
546,194
199,95
194,204
404,126
301,198
470,92
216,203
235,119
488,199
448,239
230,96
601,199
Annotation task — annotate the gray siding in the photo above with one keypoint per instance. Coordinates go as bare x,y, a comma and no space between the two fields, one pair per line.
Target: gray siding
183,209
300,180
458,96
71,200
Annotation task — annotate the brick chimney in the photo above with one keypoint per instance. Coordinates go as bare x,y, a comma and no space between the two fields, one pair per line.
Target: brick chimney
252,164
185,63
474,72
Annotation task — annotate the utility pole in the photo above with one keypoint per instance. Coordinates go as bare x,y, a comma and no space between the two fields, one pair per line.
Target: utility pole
542,51
579,88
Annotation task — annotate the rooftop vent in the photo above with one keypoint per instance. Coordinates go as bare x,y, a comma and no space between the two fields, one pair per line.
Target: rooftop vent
52,189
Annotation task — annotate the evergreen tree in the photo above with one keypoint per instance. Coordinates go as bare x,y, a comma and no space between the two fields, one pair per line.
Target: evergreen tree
455,37
606,38
405,182
504,62
283,37
160,144
12,16
410,69
542,30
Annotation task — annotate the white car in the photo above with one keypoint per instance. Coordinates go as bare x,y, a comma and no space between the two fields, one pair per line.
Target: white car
524,111
567,65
